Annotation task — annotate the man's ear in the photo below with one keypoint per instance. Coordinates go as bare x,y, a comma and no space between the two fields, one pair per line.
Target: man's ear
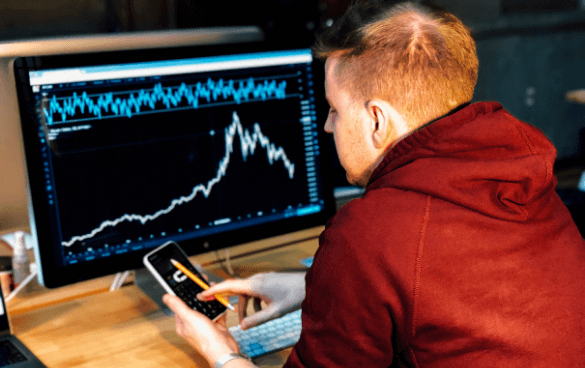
387,124
381,126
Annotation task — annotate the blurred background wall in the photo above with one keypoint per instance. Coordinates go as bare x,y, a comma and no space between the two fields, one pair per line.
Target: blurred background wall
531,52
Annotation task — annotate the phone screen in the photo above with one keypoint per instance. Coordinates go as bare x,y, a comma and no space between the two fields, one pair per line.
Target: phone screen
178,282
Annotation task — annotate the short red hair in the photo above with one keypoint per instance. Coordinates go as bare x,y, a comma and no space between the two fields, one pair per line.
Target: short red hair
422,61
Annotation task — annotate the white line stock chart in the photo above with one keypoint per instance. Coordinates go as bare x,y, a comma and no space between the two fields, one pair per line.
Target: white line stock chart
133,164
248,143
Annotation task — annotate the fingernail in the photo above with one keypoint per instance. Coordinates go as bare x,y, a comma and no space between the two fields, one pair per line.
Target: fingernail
203,298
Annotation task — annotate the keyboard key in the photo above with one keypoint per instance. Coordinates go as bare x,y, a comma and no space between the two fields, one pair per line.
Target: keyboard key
271,336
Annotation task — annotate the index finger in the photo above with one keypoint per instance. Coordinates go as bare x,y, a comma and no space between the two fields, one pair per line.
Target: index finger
232,286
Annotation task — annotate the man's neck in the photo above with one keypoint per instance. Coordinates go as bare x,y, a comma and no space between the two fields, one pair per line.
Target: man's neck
460,107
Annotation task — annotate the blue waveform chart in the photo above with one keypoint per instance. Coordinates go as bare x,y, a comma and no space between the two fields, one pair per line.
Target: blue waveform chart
87,106
210,177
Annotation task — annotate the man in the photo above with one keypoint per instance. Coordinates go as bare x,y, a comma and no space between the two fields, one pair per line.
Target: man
460,253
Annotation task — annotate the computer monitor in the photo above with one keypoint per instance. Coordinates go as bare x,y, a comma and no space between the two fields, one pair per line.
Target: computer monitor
13,196
208,145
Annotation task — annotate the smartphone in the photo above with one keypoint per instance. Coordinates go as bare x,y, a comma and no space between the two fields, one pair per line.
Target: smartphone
175,282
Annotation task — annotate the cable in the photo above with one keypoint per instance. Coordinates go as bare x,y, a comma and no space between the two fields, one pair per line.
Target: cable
225,263
22,284
115,282
122,279
228,263
119,280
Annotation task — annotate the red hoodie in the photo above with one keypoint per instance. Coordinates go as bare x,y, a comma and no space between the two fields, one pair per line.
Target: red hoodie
459,254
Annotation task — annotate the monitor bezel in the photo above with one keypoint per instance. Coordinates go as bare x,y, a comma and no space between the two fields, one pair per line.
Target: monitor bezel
52,275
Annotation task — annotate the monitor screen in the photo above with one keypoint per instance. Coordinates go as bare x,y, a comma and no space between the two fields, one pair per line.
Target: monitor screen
207,146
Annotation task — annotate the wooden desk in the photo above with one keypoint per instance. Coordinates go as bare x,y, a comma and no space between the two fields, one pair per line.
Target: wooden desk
124,328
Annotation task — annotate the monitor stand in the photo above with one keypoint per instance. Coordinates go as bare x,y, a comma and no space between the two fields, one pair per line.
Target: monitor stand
153,289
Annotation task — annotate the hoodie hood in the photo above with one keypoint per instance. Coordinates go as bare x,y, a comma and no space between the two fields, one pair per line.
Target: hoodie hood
479,157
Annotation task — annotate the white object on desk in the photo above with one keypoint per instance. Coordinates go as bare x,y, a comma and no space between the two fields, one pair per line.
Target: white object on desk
33,274
31,269
20,259
11,240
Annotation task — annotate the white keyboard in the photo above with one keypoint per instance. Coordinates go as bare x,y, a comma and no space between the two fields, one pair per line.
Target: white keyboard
271,336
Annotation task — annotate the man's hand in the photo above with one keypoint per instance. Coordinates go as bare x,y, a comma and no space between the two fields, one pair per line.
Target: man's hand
210,338
282,292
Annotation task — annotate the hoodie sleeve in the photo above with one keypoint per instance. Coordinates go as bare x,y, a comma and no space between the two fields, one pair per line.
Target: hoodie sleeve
343,323
358,290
